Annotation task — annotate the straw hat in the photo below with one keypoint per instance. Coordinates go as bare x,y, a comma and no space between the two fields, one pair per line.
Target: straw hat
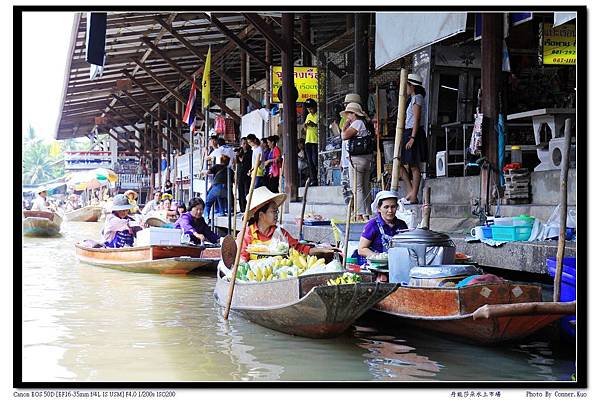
120,203
415,79
128,192
383,195
41,189
262,196
354,108
352,98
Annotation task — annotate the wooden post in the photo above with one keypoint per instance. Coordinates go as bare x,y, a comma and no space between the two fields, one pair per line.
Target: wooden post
564,176
426,208
361,56
355,192
377,135
240,239
235,191
243,82
397,164
347,231
290,132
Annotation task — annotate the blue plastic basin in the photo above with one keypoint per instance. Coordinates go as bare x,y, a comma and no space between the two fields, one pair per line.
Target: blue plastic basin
567,287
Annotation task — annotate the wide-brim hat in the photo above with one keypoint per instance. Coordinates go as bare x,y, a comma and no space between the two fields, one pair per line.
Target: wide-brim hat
354,108
415,79
128,192
167,196
120,203
262,196
383,195
41,189
352,98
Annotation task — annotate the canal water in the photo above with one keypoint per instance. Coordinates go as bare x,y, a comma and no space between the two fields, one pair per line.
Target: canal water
84,323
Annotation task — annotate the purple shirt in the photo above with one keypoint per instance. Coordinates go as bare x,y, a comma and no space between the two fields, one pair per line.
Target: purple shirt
189,225
371,232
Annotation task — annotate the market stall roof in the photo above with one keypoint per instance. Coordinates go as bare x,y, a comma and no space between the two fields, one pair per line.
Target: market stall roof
150,56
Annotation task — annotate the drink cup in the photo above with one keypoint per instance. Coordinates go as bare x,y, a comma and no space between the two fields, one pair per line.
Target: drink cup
477,232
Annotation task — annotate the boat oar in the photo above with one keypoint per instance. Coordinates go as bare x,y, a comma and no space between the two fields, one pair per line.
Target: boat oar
301,236
347,232
534,308
241,238
235,191
564,176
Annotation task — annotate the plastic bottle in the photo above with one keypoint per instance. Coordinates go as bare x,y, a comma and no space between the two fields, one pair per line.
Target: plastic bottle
516,155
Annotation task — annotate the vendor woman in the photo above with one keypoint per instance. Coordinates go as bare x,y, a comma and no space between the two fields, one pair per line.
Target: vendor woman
264,210
193,224
119,228
378,232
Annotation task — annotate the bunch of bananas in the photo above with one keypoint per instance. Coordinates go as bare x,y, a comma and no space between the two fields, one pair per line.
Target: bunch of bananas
347,278
278,267
304,262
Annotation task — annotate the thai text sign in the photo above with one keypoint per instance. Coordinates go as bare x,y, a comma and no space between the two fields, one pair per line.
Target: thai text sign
559,44
306,80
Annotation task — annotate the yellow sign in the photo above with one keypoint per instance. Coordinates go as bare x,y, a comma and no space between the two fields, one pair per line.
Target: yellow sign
306,80
559,45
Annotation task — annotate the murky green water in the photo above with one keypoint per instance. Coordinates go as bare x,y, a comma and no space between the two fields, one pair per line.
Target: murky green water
84,323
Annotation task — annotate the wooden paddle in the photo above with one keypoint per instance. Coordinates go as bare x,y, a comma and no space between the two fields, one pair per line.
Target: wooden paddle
228,251
241,238
537,308
235,191
347,232
301,236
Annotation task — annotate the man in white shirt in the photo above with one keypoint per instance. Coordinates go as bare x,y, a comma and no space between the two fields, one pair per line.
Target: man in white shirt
152,205
40,203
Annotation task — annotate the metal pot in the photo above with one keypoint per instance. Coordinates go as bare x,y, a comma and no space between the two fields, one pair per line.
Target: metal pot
415,248
441,275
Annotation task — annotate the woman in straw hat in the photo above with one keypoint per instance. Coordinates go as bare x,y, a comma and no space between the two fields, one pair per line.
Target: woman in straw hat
360,165
132,197
262,225
414,141
119,228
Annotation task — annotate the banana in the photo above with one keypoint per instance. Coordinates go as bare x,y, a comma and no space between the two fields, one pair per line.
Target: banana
259,274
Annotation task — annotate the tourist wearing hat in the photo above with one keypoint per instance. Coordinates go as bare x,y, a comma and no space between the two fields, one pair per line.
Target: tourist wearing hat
119,227
262,225
132,196
359,165
41,203
193,224
71,203
344,161
311,143
378,232
414,141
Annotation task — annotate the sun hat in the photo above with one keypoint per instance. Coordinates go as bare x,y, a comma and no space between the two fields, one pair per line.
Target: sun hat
354,108
384,194
167,196
352,98
120,203
262,196
128,192
41,189
415,79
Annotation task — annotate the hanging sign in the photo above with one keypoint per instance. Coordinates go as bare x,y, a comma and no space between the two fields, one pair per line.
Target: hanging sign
558,45
306,80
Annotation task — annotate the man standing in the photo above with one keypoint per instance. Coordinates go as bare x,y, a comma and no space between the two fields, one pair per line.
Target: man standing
311,146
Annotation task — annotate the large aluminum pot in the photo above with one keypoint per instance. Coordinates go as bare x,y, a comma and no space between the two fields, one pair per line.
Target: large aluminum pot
415,248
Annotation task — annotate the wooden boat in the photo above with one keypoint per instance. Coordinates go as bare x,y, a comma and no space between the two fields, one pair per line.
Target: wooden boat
484,313
84,214
162,259
41,223
303,305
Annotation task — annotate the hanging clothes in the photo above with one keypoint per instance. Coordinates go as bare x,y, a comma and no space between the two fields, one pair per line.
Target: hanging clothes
220,125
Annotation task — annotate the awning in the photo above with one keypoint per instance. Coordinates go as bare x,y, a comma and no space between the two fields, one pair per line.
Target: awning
399,34
563,17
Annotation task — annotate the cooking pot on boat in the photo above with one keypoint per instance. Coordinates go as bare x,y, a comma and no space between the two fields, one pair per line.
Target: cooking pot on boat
441,275
415,248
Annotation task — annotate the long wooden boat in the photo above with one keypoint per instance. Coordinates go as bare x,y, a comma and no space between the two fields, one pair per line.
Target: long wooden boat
41,223
160,259
84,214
484,313
303,305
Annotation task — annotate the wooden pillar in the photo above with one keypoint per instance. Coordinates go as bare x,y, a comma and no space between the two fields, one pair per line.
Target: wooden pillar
269,60
491,84
361,56
305,32
160,147
151,171
243,82
290,134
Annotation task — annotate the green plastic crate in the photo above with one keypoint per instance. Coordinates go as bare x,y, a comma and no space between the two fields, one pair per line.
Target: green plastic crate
511,233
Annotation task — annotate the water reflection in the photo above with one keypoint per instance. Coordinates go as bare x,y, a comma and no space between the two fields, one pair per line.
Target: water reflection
84,323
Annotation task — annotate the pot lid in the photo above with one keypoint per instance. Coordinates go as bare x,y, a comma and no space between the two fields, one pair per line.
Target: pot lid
443,271
422,236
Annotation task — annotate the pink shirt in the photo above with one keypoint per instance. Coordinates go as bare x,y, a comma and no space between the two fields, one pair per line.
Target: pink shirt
275,166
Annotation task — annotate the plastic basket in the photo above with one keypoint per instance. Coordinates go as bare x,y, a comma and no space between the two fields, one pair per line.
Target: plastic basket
511,233
567,287
487,232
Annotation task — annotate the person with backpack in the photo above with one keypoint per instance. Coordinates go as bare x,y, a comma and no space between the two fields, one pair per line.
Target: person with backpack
359,142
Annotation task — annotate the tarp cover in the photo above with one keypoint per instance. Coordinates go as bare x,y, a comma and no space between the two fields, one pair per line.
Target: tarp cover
399,34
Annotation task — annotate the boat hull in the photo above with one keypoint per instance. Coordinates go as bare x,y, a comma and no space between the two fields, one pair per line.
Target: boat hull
85,214
150,259
41,224
450,311
303,306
